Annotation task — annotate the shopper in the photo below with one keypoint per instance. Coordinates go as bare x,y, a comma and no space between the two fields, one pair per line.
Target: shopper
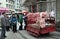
14,23
3,25
25,19
7,23
20,20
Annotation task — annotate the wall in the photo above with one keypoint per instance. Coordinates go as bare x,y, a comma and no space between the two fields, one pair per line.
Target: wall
58,10
3,3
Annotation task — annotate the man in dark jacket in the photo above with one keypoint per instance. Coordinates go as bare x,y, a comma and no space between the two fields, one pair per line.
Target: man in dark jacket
3,25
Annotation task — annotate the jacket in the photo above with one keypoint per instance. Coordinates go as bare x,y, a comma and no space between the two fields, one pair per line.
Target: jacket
13,20
5,21
20,19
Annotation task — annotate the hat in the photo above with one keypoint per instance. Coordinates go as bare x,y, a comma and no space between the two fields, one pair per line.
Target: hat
24,11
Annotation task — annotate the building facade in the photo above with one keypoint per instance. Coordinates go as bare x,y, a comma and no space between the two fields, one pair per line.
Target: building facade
3,3
40,5
7,4
19,5
10,5
13,5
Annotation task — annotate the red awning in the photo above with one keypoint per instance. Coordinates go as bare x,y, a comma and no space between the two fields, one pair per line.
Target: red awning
4,9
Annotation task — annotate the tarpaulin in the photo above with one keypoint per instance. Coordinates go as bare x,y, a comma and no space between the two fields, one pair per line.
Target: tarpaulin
39,18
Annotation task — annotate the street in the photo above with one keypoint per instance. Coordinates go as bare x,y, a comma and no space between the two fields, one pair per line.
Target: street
24,35
42,15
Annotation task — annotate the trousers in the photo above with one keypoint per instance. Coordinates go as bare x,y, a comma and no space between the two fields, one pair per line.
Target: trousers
3,32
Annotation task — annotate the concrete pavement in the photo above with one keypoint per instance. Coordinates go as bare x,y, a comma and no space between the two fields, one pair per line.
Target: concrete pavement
19,35
23,34
26,35
11,35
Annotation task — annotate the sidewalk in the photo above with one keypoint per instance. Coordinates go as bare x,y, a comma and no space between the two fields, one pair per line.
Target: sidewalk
19,35
0,32
26,35
23,34
11,35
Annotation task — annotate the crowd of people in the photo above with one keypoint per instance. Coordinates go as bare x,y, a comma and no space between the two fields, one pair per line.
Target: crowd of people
8,23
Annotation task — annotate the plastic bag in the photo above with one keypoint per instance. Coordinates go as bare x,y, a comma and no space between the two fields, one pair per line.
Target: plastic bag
18,24
23,27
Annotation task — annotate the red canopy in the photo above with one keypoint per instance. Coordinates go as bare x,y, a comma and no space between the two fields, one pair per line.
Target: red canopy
4,9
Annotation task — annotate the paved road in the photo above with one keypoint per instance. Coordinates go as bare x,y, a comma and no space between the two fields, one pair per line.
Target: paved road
24,35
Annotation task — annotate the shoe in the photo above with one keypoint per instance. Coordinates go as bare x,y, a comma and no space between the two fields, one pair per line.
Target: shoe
5,36
20,29
13,32
24,29
0,38
8,30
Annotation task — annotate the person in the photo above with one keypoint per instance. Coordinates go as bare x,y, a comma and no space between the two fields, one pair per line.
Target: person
14,22
7,21
10,20
3,25
25,18
52,14
20,20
